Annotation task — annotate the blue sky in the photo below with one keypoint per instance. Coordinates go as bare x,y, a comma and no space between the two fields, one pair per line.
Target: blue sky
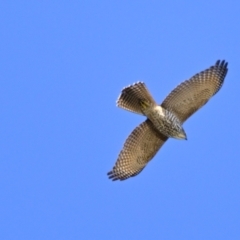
63,65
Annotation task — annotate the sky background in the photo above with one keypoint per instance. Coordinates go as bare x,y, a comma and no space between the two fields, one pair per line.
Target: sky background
63,65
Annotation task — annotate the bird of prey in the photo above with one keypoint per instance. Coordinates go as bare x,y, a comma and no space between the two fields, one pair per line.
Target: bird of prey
163,121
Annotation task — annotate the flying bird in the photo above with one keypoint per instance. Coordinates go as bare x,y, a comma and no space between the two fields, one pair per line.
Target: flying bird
163,121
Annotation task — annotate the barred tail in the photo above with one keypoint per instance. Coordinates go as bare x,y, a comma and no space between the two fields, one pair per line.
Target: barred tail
135,97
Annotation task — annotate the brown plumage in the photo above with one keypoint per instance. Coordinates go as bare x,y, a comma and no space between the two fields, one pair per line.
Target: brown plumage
146,139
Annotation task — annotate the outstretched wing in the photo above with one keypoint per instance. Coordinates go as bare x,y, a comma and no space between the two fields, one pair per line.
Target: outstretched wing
192,94
139,148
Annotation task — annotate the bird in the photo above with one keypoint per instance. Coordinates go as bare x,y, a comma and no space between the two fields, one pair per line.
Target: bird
164,120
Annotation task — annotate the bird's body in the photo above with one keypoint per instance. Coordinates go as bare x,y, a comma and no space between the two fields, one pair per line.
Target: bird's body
163,121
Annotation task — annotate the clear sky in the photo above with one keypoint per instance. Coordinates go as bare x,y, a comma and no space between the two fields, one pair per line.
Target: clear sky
63,65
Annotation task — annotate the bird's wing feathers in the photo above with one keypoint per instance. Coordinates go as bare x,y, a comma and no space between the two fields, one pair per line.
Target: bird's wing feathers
139,148
192,94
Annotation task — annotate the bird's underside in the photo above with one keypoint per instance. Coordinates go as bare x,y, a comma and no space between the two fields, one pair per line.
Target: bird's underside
164,120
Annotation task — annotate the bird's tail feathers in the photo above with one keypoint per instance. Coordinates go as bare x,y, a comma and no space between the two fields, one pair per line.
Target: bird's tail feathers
135,98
